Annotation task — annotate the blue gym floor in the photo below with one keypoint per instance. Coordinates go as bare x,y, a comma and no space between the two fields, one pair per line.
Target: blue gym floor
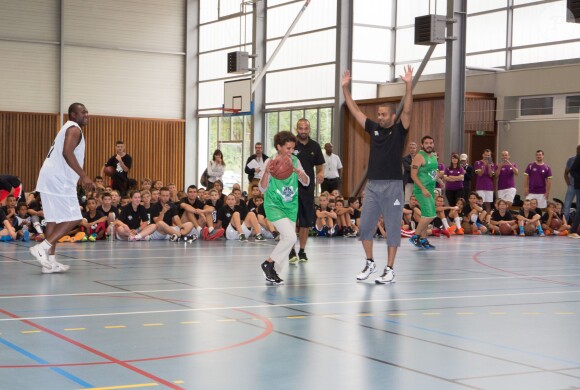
476,313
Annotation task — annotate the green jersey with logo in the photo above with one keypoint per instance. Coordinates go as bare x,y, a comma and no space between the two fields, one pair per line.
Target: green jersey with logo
428,172
281,197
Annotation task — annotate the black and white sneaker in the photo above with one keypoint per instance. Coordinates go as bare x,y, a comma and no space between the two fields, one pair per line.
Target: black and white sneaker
369,268
302,257
270,273
243,237
387,277
174,238
292,257
191,238
259,237
276,235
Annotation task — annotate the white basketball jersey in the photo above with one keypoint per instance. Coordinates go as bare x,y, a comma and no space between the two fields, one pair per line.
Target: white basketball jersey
56,177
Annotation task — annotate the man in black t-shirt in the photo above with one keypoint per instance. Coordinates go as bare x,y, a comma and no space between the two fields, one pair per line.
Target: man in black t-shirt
7,231
191,209
166,216
122,162
384,188
310,155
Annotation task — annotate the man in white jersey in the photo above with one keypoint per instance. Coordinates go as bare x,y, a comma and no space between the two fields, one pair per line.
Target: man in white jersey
57,184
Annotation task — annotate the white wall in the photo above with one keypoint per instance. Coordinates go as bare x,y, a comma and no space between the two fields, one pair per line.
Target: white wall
557,137
120,57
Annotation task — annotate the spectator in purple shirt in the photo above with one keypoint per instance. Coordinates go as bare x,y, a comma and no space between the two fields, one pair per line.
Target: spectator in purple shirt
453,177
506,172
538,180
485,170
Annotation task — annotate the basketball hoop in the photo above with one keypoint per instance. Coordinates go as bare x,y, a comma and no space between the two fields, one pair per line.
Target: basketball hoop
230,111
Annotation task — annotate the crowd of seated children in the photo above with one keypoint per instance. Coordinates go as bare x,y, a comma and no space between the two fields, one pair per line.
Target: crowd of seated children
529,220
238,222
326,217
502,222
553,221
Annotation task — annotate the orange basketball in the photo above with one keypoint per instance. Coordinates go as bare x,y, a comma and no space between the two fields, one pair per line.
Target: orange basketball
556,223
529,229
505,229
281,167
110,171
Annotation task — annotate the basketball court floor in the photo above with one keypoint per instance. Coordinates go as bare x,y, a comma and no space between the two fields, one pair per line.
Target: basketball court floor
477,313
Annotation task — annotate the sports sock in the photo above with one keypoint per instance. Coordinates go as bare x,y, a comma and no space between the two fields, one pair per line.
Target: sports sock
37,227
138,236
522,229
540,230
45,245
445,223
473,218
457,221
210,230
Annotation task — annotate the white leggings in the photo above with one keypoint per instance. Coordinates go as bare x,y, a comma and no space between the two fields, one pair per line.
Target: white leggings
287,230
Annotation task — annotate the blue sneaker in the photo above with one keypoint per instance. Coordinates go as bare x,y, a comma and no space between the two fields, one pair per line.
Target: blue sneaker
416,241
426,244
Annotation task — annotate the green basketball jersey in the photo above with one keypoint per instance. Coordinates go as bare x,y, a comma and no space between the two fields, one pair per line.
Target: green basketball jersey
281,197
428,172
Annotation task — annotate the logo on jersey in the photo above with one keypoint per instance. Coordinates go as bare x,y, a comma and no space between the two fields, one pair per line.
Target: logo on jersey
287,193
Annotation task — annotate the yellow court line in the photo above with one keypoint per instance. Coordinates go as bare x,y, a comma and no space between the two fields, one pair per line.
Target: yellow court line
115,326
135,386
227,320
431,314
189,322
153,324
296,317
68,329
365,315
397,314
179,382
30,331
565,313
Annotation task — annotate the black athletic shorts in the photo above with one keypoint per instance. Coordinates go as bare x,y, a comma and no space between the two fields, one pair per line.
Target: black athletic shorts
306,212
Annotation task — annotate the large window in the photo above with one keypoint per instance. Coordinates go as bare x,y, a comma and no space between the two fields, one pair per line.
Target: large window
320,125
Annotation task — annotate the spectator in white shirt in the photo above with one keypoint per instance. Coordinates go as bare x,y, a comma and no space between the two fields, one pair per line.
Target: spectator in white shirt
332,170
255,166
216,168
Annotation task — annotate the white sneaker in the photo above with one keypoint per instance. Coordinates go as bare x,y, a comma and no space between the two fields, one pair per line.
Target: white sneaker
41,256
387,277
574,235
370,268
56,268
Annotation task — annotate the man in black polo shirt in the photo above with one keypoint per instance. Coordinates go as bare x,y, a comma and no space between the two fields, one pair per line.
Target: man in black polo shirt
310,155
384,188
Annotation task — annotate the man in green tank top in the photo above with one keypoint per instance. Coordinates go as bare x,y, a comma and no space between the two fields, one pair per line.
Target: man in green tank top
424,173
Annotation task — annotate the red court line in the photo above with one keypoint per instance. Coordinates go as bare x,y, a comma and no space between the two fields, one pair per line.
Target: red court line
98,353
269,328
539,278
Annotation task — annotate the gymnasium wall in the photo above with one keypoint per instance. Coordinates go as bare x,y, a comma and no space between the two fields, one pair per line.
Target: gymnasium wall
156,145
118,57
557,136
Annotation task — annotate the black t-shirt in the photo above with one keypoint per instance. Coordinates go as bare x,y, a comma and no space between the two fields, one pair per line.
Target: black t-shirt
2,218
168,217
261,210
132,217
225,214
87,216
148,212
251,205
531,214
243,209
310,155
196,204
386,151
120,178
407,169
112,210
496,216
355,214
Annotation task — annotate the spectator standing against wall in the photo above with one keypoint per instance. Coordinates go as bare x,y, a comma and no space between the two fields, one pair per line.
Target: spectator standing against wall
538,180
332,170
122,162
506,171
255,166
485,171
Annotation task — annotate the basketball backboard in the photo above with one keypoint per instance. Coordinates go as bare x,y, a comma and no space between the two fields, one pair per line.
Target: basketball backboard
238,97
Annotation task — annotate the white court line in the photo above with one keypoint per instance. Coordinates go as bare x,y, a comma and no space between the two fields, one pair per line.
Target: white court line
263,285
250,307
